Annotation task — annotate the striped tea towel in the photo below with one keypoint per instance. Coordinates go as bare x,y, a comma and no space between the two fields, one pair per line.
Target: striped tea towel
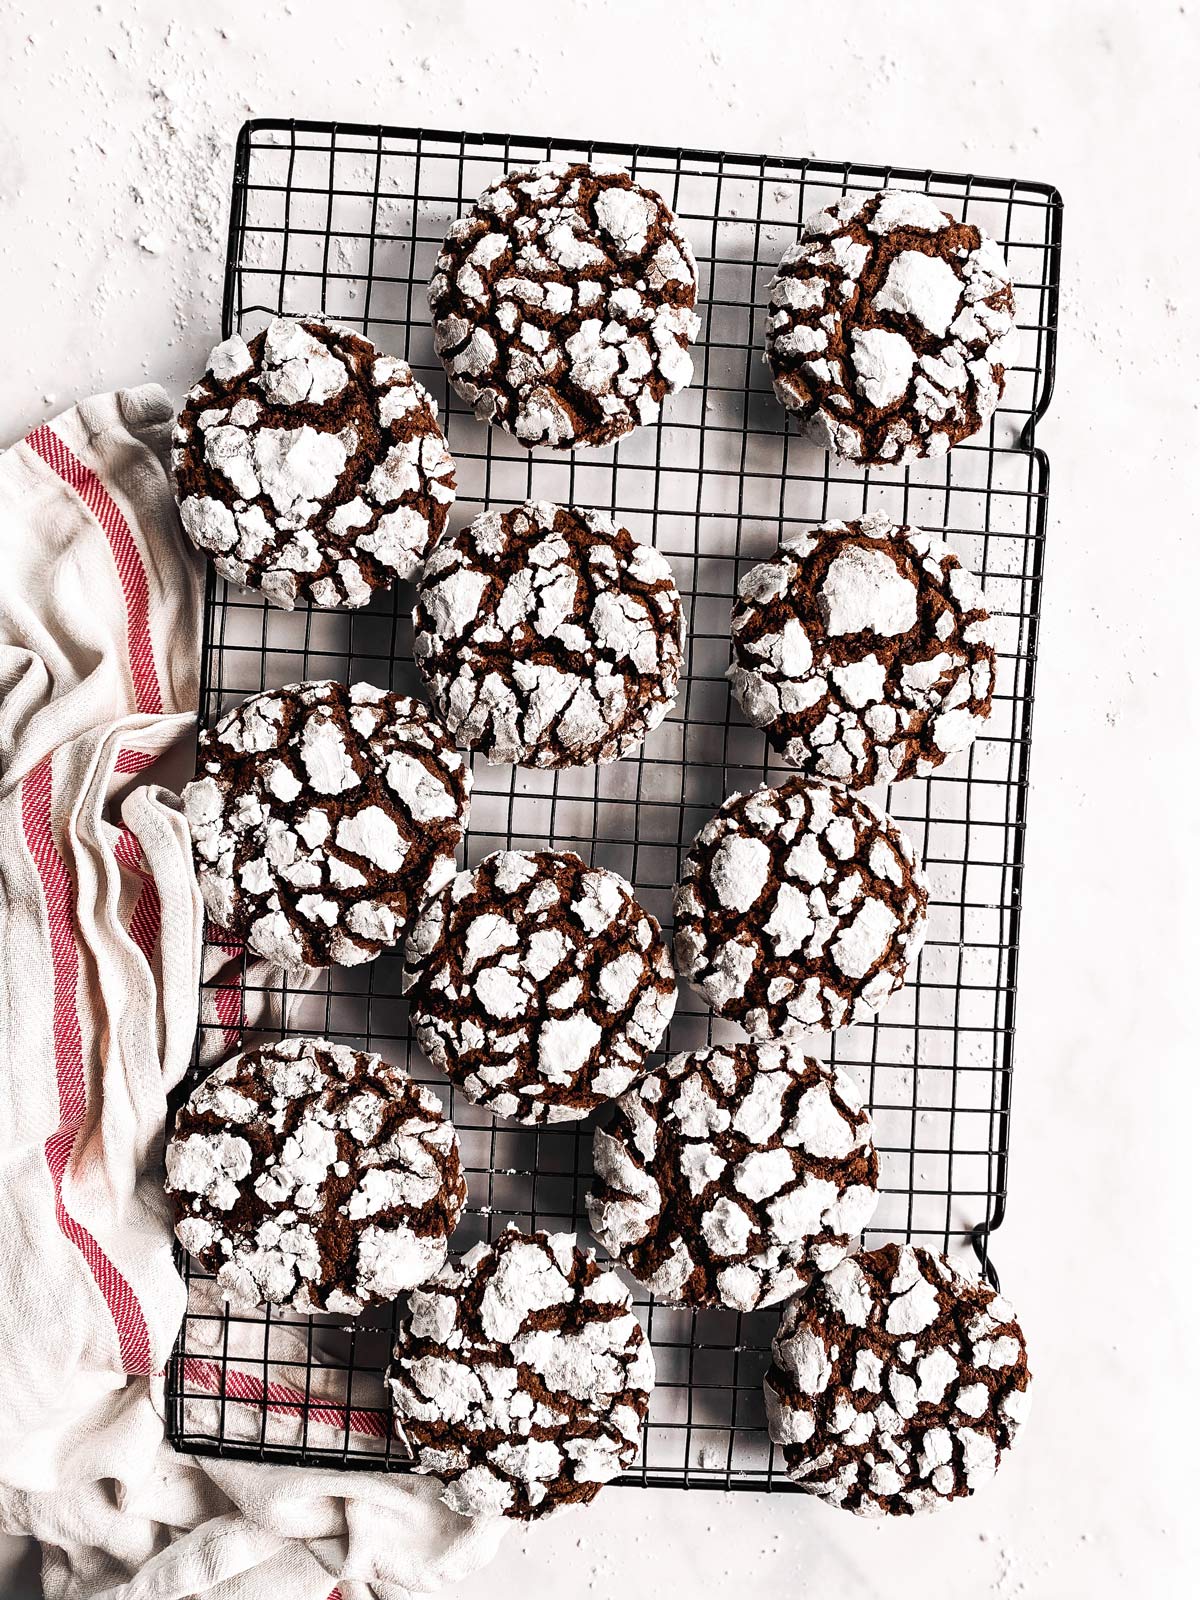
100,951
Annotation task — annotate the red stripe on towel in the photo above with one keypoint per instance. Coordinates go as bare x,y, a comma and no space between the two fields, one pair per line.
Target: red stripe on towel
58,895
246,1389
146,920
45,443
133,760
227,997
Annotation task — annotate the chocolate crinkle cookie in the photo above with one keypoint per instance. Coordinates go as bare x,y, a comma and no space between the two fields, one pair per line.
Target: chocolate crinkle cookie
563,305
322,816
521,1377
538,984
308,1175
889,326
727,1170
864,651
311,467
897,1383
549,637
800,907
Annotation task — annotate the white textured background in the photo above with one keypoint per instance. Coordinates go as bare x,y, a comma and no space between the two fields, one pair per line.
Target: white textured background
117,122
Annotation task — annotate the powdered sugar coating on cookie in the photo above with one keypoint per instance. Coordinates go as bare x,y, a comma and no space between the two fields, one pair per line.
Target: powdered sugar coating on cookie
864,651
549,636
727,1170
321,817
310,466
897,1383
563,305
800,907
521,1377
312,1176
889,326
538,984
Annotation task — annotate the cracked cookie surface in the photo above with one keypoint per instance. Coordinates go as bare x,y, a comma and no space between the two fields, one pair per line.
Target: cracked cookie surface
889,326
896,1383
799,907
521,1377
322,817
864,651
538,984
549,636
308,1175
726,1170
563,305
310,466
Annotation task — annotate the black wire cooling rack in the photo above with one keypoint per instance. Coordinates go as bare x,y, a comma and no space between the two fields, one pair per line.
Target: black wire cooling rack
345,220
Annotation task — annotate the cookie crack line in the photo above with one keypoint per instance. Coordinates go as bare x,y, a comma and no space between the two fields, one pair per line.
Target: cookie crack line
521,1377
311,467
727,1176
563,305
799,907
889,326
538,984
321,817
896,1383
309,1175
549,636
864,651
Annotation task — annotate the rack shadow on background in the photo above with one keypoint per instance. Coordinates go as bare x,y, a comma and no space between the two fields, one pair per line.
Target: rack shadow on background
345,221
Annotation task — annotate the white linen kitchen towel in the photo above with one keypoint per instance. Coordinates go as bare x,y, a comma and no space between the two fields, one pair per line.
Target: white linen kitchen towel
100,951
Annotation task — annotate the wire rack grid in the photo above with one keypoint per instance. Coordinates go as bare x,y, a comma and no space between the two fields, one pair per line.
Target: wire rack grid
345,221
